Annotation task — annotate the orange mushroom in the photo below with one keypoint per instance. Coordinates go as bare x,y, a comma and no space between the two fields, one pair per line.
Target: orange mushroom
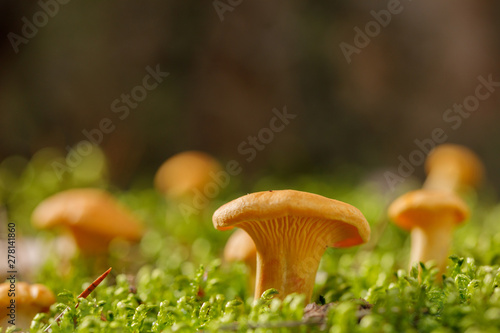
291,231
26,301
93,217
431,216
185,174
453,168
240,247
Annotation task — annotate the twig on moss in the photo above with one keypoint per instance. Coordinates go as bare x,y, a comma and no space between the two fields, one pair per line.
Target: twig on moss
84,294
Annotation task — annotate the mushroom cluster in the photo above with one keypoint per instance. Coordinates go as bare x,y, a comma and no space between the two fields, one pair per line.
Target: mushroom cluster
291,231
282,234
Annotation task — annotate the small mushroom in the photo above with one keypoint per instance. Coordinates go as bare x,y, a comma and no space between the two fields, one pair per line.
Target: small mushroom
453,168
291,231
185,174
240,247
93,217
431,216
20,304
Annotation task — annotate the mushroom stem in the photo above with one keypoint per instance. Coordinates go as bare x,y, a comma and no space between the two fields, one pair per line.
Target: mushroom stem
286,274
288,255
88,242
252,268
432,241
444,177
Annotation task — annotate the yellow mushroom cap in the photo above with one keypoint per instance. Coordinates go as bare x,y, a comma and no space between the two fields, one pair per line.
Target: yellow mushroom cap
345,221
184,172
36,296
291,231
414,209
240,247
91,213
468,166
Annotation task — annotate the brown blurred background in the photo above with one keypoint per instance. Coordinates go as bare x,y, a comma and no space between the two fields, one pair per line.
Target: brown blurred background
227,76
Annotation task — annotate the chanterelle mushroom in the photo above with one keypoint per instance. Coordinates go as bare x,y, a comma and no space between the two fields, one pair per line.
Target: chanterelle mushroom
452,167
26,301
183,174
93,217
291,231
431,215
240,247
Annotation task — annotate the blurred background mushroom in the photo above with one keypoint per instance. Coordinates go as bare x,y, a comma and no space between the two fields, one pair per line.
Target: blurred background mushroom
92,216
189,179
29,300
432,213
453,168
241,248
431,216
185,174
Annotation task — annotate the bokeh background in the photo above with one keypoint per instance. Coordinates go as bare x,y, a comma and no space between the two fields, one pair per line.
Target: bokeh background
226,76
